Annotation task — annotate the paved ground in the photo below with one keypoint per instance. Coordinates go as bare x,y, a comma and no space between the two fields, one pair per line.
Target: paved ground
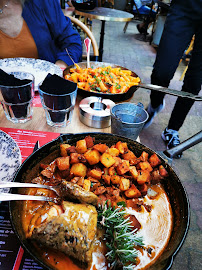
129,51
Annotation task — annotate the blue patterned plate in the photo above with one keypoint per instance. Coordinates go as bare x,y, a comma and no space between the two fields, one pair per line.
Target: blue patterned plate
38,68
10,158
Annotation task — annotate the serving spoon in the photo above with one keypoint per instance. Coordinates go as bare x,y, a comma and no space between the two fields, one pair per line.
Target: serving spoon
87,43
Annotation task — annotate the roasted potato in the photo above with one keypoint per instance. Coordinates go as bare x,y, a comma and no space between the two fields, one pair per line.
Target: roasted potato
107,160
92,156
63,163
100,147
132,192
81,146
78,169
63,149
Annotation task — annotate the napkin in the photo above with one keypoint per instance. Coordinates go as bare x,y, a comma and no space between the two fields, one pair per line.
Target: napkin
54,84
10,80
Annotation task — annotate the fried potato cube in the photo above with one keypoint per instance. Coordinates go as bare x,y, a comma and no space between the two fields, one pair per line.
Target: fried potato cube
86,184
78,169
92,156
154,160
112,171
63,149
101,147
145,165
89,141
107,179
135,161
128,155
100,190
143,177
144,156
95,173
163,171
63,163
122,168
133,171
115,179
126,161
124,184
107,160
132,192
117,161
122,147
114,152
74,158
81,146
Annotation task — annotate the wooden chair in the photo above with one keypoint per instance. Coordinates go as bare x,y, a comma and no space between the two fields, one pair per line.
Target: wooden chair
86,30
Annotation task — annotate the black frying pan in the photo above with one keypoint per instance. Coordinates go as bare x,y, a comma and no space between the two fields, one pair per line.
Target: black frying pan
173,187
124,96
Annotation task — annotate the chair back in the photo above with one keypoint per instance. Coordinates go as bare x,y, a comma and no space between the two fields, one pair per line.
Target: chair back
87,31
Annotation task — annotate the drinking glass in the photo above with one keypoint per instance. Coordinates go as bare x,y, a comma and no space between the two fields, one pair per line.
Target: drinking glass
17,100
59,105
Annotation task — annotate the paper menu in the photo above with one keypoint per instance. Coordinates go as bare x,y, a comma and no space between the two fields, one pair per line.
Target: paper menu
26,139
12,255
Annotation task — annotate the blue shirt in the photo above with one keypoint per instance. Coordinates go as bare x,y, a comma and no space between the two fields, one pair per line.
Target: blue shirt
52,31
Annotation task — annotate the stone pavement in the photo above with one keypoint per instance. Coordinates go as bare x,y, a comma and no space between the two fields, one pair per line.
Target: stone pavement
129,51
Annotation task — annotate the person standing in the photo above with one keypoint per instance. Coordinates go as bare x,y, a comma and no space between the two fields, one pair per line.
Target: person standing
184,20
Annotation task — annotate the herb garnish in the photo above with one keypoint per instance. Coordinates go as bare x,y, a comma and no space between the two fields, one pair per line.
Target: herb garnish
120,238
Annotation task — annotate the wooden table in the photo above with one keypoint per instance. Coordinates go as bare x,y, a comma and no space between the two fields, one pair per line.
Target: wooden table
105,14
38,122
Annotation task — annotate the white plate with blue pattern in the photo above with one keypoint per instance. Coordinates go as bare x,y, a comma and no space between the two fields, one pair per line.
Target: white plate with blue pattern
10,158
37,67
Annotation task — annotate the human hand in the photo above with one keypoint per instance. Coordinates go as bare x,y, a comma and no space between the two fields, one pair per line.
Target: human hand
61,64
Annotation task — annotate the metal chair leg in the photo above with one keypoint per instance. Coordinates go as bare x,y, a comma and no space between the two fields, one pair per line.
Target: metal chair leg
125,27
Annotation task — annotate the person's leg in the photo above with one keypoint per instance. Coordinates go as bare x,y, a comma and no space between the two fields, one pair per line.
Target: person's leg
150,16
177,34
192,83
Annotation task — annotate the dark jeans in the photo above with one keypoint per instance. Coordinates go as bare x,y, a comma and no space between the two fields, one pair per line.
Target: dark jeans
179,29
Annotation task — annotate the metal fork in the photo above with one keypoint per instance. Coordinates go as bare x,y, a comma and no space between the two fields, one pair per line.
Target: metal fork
21,197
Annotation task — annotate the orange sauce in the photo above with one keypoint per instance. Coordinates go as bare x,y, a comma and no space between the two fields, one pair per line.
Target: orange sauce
156,230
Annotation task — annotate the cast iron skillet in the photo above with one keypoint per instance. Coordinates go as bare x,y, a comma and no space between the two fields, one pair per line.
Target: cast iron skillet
173,187
124,96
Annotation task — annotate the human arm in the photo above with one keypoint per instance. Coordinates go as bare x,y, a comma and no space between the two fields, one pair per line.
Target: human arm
64,34
52,31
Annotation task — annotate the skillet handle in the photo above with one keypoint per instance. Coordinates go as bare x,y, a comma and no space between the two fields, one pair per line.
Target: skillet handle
195,139
170,91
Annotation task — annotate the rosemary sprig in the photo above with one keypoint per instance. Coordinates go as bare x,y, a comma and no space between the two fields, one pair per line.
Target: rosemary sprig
120,238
